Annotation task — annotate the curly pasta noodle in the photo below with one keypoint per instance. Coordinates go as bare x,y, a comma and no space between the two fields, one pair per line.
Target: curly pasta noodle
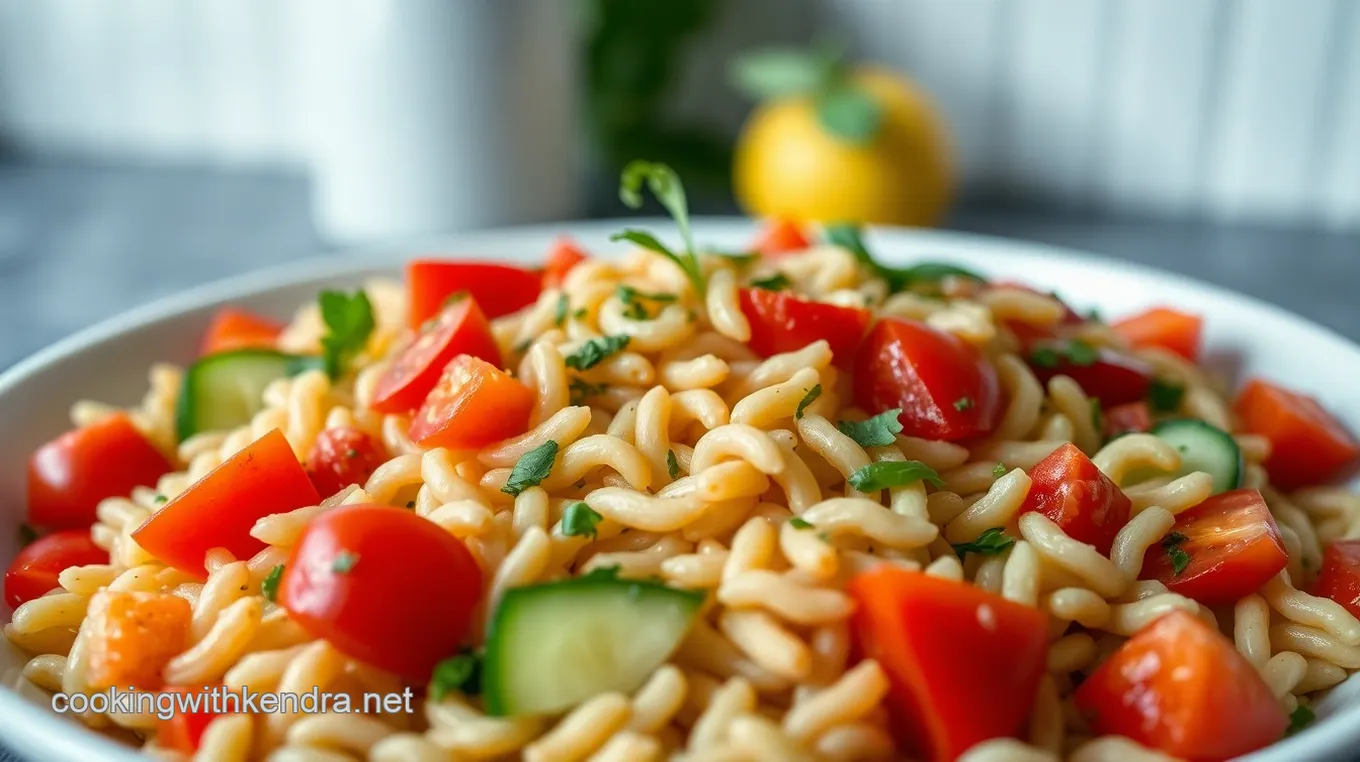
710,468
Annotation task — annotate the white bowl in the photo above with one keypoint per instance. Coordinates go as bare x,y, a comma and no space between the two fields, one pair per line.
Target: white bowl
108,362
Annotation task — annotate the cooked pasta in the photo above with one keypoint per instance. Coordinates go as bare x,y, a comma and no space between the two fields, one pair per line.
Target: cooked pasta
620,514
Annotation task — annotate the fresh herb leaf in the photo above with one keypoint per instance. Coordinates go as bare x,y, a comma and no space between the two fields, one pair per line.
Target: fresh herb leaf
848,237
1073,351
989,543
161,500
349,323
776,282
739,259
799,523
630,294
594,351
1179,558
461,673
893,473
531,468
344,562
269,588
580,520
1081,353
963,403
672,465
1164,396
879,431
808,399
27,535
999,470
1044,357
1299,719
560,314
581,390
666,186
1097,415
580,313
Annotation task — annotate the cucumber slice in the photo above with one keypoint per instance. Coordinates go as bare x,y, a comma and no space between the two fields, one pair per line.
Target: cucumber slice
223,391
1204,447
554,645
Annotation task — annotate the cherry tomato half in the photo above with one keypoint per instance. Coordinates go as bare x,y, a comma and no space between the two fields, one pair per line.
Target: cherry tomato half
474,404
34,571
343,456
460,328
499,289
68,476
1070,490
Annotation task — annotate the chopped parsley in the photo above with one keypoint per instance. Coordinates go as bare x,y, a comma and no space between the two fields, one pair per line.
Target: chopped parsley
633,300
739,259
666,186
160,499
798,523
989,543
893,473
461,673
999,470
531,468
269,588
1097,415
594,351
672,465
776,282
580,390
1073,351
1164,396
963,403
879,431
560,313
928,274
344,562
808,399
580,520
1179,558
1299,719
349,323
523,346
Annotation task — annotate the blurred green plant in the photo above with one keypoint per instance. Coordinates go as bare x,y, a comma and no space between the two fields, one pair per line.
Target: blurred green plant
634,55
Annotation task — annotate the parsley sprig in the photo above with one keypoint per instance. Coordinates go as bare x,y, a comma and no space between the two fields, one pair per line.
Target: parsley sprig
879,431
531,468
808,399
893,473
461,673
1179,557
848,237
662,181
593,352
349,323
990,543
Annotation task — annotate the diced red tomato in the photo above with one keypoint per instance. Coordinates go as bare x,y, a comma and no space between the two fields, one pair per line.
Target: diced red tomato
1307,444
780,237
781,322
219,510
459,329
133,635
349,580
1231,547
233,328
1178,332
473,405
944,386
34,571
963,663
1070,490
1180,687
1112,377
341,457
184,730
499,289
68,476
1126,418
563,256
1339,578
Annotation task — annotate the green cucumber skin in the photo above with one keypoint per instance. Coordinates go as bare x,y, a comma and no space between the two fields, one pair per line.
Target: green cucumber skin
1205,435
187,411
495,663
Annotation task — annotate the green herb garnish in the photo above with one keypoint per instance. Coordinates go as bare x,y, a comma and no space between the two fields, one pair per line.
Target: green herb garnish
672,465
848,236
1299,719
580,520
808,399
989,543
963,403
893,473
560,313
776,282
1179,558
461,673
666,186
349,323
160,499
269,588
594,351
1164,396
1097,415
798,523
1073,351
999,470
531,468
344,562
879,431
581,390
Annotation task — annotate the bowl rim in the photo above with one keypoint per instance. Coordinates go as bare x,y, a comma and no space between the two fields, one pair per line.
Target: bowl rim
29,726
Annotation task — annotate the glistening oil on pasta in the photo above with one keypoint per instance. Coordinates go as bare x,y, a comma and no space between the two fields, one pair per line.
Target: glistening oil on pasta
790,504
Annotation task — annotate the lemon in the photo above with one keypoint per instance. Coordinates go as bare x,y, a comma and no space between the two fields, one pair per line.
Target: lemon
888,166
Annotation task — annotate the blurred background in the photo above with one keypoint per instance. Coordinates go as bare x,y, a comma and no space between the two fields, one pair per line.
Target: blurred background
150,145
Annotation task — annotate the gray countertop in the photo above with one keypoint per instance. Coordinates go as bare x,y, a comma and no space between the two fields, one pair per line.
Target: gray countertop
80,243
